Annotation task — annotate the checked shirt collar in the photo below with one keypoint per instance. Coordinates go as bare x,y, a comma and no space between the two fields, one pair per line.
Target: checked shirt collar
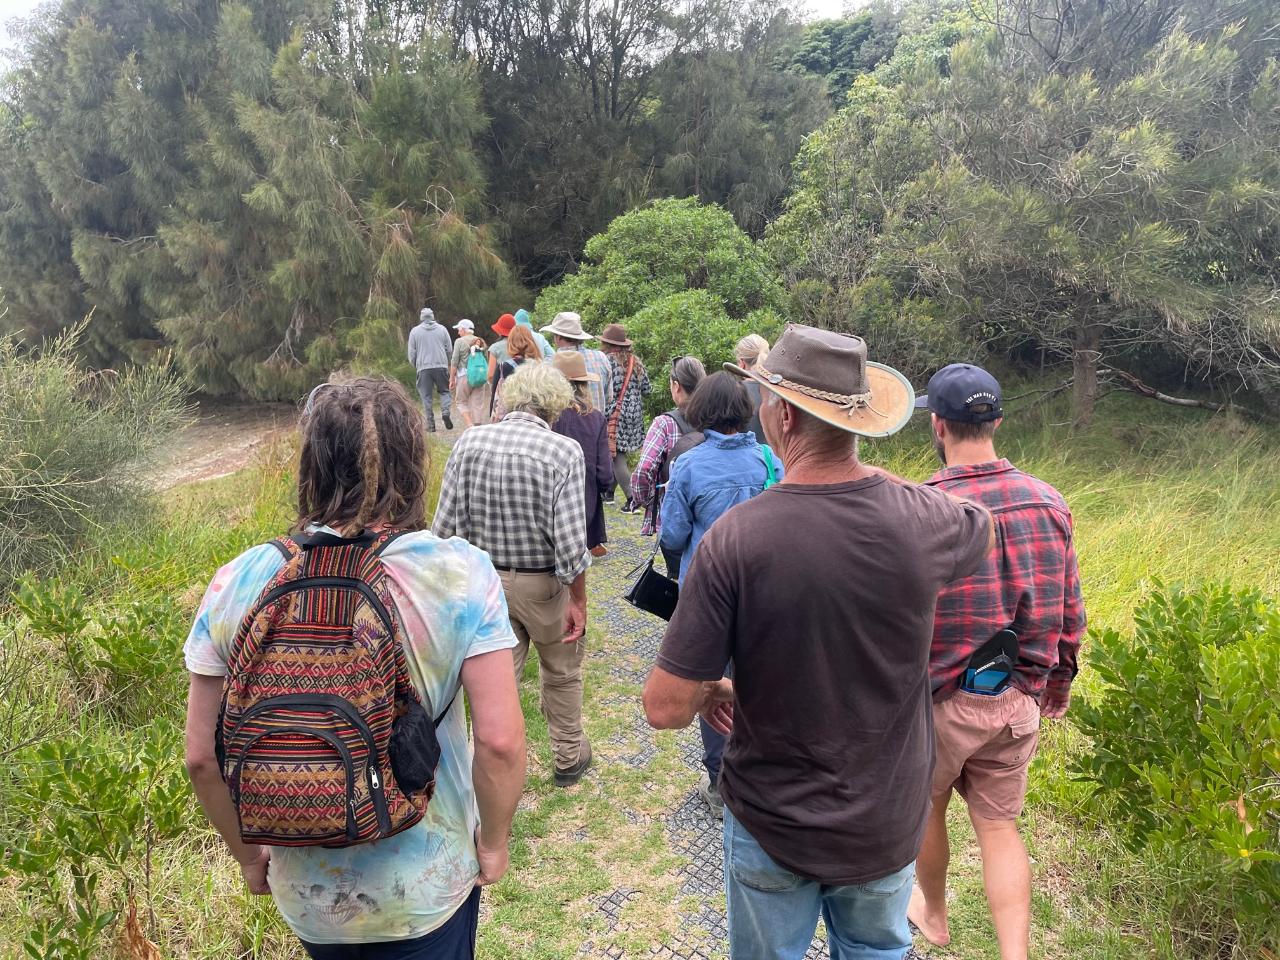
521,416
965,470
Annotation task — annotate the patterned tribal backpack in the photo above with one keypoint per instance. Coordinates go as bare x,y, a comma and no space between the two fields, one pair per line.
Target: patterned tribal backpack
322,738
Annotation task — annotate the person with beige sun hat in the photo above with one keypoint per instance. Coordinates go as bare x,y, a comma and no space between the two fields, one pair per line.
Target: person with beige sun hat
821,592
566,329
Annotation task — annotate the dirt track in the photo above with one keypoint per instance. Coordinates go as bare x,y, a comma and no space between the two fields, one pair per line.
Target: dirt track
224,438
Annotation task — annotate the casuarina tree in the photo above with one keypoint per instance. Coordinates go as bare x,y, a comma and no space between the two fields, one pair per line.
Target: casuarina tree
1097,181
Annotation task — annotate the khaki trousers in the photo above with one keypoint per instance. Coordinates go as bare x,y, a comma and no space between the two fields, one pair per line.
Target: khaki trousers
536,604
474,401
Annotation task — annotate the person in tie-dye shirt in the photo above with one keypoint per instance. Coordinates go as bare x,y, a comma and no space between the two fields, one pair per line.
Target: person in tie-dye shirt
415,894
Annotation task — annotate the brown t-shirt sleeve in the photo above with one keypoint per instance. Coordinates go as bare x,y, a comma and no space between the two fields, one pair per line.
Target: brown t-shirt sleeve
699,640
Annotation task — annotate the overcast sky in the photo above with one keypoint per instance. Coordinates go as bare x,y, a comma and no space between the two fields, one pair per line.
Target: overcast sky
20,8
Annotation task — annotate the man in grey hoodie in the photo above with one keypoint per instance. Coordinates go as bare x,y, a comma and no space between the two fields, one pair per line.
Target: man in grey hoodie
429,347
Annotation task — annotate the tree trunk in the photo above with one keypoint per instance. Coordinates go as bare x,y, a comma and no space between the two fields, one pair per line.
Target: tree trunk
1084,363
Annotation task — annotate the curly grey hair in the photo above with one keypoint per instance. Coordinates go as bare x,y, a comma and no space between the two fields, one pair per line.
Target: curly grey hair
537,388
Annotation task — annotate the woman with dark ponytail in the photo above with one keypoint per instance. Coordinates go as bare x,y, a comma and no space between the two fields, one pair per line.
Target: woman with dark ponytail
409,889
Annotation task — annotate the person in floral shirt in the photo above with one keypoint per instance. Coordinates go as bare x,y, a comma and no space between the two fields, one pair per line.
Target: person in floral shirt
626,405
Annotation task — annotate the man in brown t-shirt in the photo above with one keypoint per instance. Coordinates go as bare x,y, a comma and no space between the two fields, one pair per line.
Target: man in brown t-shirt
821,591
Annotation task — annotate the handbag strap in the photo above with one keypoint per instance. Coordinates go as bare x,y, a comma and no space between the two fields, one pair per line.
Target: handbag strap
626,382
648,561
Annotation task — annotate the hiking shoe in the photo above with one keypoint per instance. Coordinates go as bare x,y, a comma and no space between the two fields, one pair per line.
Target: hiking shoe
710,794
608,499
567,778
631,507
448,423
599,550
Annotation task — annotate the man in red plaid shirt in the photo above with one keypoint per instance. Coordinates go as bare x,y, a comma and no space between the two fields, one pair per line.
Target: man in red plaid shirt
986,733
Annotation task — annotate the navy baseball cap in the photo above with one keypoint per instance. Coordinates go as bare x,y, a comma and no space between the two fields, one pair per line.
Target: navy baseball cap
964,393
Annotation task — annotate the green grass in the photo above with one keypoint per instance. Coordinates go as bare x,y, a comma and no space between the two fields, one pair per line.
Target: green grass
1157,493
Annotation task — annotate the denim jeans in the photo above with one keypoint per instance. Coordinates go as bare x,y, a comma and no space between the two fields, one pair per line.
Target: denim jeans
713,743
712,750
773,913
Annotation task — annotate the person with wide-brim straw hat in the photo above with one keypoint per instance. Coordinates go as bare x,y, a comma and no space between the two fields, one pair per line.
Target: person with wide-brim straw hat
625,413
567,333
821,590
827,375
568,326
585,424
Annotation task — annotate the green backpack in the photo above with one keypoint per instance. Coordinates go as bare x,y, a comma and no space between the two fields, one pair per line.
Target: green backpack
770,471
477,367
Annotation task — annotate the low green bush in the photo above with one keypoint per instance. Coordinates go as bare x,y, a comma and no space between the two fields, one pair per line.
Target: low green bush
690,323
682,277
114,659
81,821
1186,761
73,447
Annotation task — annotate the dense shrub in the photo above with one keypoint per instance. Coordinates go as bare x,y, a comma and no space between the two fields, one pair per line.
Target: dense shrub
680,275
691,323
72,447
1186,760
92,698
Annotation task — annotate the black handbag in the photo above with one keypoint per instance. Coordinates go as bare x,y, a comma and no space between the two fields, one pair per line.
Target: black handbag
652,592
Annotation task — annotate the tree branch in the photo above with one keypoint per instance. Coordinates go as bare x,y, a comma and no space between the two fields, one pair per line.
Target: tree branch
1129,381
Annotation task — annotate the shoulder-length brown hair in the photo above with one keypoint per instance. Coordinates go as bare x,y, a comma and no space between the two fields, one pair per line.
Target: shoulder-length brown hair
364,457
522,343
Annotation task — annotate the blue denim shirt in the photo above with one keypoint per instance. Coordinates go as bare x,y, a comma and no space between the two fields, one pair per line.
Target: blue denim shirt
707,481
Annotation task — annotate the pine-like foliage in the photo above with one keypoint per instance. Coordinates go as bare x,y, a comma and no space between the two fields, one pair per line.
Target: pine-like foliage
231,180
1103,186
73,447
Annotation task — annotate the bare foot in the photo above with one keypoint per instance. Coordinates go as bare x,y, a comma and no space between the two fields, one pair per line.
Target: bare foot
932,926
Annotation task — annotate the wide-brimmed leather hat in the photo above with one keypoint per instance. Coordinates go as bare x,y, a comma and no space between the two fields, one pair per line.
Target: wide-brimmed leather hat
615,334
574,367
828,375
568,324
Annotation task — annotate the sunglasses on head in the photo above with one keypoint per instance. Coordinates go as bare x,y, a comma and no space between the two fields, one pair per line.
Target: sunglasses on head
315,392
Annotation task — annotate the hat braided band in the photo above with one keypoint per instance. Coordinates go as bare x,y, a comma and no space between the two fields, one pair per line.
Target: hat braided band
848,402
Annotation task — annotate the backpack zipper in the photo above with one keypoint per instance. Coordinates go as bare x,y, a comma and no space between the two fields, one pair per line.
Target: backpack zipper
344,708
353,831
345,583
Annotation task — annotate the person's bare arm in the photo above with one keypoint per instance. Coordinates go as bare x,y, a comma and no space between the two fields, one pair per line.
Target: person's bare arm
498,769
203,701
671,702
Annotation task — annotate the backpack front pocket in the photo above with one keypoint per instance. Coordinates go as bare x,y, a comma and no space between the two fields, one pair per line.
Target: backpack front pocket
302,770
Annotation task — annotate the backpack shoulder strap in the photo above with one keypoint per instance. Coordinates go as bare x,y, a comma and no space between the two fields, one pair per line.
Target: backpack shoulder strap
287,546
385,540
682,424
448,706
